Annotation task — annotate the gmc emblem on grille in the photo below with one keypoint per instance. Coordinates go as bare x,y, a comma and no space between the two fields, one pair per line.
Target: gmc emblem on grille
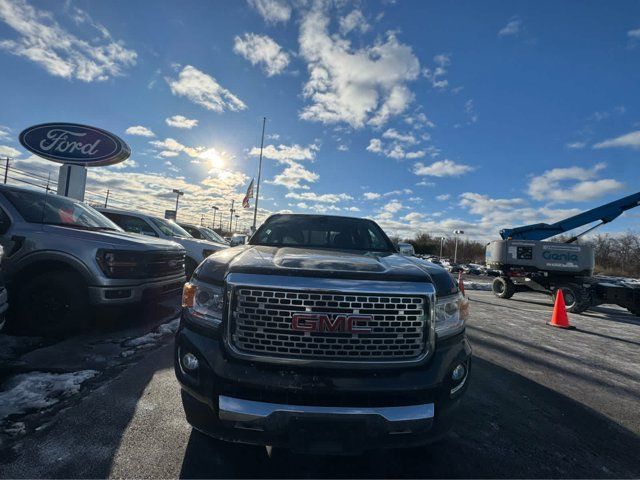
324,322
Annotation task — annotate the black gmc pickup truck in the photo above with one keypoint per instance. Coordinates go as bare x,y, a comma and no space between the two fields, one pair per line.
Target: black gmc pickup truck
319,337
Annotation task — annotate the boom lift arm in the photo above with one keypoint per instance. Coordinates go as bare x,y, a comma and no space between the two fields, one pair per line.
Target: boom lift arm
604,213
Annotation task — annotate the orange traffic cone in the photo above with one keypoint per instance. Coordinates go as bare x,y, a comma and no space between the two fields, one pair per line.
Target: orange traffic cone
461,283
559,317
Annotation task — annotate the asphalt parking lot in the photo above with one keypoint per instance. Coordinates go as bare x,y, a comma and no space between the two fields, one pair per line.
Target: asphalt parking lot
542,402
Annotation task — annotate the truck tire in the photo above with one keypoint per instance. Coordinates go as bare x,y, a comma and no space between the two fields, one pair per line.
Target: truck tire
502,287
51,304
577,298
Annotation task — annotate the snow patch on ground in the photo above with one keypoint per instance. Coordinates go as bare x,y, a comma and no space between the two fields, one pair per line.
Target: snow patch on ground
152,338
477,286
37,390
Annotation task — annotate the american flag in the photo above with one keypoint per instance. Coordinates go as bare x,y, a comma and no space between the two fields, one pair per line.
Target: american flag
245,201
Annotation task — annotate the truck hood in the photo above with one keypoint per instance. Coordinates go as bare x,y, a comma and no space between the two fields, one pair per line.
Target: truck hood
113,239
308,262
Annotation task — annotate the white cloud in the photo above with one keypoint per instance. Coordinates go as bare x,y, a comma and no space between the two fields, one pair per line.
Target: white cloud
262,50
272,11
371,195
413,217
354,21
635,34
322,198
393,134
375,145
354,86
511,28
393,206
437,74
293,177
202,89
416,154
443,197
180,121
286,153
629,140
576,145
441,168
470,110
170,147
5,132
6,151
552,184
139,130
43,41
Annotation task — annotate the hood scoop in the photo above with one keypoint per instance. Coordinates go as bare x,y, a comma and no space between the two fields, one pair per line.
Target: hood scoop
330,260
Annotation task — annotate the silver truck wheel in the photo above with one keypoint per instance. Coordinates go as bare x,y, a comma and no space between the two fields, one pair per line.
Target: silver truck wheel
577,299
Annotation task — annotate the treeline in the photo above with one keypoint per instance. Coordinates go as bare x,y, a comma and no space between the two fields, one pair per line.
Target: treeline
617,255
469,251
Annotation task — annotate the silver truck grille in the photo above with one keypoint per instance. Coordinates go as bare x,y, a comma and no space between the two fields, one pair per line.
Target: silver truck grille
261,325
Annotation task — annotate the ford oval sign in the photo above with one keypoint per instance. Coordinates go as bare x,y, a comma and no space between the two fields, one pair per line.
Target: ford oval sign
75,144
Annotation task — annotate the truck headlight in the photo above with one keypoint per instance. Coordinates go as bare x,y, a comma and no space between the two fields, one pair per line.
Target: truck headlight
203,302
451,315
120,264
1,253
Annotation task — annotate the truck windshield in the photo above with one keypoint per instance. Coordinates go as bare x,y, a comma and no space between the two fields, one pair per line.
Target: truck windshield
317,231
169,228
212,235
36,207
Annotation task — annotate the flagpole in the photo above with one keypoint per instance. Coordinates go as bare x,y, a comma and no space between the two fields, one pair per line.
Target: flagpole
255,207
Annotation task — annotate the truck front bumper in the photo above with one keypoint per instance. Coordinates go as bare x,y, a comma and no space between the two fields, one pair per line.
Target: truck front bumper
312,410
127,293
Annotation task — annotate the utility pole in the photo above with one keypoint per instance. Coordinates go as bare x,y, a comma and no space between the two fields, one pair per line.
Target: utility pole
106,199
442,239
255,207
213,223
178,195
231,217
6,170
455,254
202,220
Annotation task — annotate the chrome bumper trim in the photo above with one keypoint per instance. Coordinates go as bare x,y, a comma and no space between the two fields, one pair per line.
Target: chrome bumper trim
238,410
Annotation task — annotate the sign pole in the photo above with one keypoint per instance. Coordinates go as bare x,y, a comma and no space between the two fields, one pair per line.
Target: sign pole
255,207
6,170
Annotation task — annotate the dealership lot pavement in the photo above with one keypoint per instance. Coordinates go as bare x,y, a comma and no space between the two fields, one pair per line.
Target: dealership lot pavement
542,402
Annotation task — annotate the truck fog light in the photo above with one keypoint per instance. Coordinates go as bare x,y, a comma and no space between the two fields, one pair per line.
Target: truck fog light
458,373
189,362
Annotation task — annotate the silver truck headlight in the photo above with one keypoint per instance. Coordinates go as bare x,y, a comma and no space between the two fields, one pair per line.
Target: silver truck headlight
204,302
1,253
451,315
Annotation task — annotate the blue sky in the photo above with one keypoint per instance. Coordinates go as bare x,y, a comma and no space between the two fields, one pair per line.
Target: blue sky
426,116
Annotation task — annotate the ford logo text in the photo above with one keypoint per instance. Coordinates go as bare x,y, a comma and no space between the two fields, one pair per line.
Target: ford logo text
326,322
75,144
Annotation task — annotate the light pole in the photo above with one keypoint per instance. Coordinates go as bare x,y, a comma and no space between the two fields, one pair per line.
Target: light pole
213,223
202,220
178,195
231,217
442,239
455,253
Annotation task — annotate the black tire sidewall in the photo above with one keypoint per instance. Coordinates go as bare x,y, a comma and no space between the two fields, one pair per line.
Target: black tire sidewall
67,288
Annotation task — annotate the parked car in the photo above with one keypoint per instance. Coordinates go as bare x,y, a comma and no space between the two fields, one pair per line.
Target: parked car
140,223
4,304
238,239
319,334
204,233
406,249
472,269
454,268
62,256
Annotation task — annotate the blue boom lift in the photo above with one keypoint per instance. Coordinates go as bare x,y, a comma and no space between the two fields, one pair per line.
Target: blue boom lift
528,263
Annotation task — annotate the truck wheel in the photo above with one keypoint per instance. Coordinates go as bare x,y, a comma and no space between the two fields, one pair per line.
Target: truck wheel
51,304
577,299
503,287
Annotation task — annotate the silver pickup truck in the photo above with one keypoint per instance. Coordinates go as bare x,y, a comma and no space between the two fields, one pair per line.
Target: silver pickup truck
62,256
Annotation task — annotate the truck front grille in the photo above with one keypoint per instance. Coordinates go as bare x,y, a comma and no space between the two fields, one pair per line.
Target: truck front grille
262,325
